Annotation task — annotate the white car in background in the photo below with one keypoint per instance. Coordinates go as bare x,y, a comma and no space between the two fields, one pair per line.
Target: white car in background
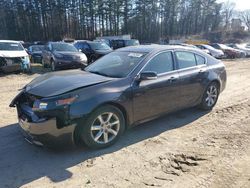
195,47
212,51
241,47
13,57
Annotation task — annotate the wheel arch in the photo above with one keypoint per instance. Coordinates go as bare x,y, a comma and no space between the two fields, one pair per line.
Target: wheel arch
217,82
76,135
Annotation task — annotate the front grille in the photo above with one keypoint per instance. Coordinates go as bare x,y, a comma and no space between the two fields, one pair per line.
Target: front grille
28,99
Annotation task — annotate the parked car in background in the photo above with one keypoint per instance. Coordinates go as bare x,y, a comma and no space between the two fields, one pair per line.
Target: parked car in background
247,45
240,47
35,52
13,57
122,89
120,43
214,52
228,51
93,50
26,45
107,41
193,46
61,55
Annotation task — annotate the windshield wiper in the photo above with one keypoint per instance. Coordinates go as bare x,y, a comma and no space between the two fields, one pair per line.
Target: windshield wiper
99,73
103,74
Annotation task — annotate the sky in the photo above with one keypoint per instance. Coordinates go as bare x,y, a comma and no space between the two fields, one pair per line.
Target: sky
240,4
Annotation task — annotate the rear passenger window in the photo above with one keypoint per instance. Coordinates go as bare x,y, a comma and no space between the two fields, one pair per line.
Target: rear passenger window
200,60
185,59
161,63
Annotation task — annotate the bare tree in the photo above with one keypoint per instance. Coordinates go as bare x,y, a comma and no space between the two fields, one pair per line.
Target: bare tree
227,11
245,16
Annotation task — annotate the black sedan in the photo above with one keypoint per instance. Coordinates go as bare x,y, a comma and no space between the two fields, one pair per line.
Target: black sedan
61,55
35,52
122,89
93,50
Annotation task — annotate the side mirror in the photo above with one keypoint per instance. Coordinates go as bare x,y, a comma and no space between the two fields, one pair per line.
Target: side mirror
148,75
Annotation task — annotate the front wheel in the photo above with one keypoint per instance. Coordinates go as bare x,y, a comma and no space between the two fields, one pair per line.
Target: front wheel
210,97
103,128
53,65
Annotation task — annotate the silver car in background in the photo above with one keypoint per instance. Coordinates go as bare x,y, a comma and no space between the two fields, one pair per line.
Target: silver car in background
214,52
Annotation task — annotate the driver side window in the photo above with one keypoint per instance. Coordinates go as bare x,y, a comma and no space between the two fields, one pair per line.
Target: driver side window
161,63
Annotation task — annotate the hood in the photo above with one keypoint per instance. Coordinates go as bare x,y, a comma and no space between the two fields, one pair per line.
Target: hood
69,53
103,52
56,83
13,53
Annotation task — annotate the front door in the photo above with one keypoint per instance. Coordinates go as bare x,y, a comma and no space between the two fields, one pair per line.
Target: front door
154,97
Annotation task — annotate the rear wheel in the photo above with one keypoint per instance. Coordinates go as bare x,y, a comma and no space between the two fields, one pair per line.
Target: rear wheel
210,96
103,128
53,65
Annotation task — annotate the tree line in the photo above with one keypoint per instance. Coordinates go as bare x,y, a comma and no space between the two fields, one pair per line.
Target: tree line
146,20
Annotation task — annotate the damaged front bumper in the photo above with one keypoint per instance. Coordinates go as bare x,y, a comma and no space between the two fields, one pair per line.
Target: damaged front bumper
48,128
46,133
13,64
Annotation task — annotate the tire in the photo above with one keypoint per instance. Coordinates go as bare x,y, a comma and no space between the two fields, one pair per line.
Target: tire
101,135
44,64
210,96
32,59
52,65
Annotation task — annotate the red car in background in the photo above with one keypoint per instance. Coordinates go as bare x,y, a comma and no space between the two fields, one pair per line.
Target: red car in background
228,51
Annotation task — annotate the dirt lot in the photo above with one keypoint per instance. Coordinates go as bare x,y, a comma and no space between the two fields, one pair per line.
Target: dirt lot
185,149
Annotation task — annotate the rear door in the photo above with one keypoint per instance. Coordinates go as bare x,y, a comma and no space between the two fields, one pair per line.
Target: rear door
193,74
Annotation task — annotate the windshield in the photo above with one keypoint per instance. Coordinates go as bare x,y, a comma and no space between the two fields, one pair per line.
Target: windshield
223,46
37,48
99,46
62,47
9,46
209,47
116,64
132,42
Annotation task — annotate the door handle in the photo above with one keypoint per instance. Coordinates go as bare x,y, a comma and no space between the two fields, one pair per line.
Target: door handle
173,79
202,71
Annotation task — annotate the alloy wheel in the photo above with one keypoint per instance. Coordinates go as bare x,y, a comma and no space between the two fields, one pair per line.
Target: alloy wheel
211,95
105,128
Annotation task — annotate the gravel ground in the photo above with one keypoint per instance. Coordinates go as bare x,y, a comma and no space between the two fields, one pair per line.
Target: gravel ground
189,148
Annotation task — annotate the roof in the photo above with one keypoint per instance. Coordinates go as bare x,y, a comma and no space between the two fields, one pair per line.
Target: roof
156,47
12,41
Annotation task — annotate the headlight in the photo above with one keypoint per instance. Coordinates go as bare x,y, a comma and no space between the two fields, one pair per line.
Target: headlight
66,101
40,105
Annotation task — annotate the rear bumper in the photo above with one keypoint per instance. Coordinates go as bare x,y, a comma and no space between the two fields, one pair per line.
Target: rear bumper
46,133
